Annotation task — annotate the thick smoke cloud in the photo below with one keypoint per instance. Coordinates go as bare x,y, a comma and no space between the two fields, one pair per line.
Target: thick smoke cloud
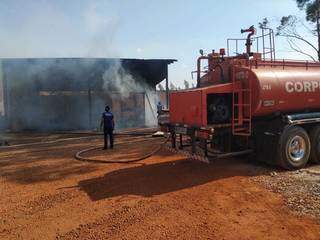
41,34
117,78
102,30
67,94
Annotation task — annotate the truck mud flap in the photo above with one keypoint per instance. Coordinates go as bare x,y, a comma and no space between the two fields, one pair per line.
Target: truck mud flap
266,147
188,154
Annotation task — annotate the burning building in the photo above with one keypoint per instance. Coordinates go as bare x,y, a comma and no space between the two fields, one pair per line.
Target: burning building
70,93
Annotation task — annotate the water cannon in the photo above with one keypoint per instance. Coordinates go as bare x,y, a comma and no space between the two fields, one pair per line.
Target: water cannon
251,30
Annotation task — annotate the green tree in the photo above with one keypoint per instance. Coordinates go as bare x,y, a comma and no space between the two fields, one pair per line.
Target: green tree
264,23
289,28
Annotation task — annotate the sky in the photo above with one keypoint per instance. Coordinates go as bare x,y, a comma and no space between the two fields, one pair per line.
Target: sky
149,29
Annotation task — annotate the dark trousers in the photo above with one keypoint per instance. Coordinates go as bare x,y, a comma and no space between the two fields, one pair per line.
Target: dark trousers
108,132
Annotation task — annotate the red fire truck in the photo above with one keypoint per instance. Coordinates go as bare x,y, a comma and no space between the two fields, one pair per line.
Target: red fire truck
250,103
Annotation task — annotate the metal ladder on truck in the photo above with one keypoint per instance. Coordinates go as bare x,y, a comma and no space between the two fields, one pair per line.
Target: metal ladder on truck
242,96
241,104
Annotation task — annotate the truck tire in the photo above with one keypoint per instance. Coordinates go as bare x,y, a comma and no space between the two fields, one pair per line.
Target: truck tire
315,144
294,148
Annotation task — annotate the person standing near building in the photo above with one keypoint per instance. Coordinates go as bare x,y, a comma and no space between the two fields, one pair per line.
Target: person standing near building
107,122
159,108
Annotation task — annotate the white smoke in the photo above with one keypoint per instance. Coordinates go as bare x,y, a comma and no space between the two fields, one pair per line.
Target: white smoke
45,31
116,78
150,108
102,30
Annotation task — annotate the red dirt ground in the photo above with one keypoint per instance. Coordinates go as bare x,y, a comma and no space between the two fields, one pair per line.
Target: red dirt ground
47,194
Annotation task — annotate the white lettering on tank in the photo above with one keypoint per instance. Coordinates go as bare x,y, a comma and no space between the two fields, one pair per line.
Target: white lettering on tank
289,87
298,87
307,86
302,86
315,85
266,87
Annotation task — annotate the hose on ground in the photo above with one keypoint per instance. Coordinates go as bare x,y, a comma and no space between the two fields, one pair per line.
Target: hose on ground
130,132
45,142
90,136
101,133
80,158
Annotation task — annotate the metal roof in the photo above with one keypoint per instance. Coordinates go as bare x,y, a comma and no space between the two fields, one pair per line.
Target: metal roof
153,71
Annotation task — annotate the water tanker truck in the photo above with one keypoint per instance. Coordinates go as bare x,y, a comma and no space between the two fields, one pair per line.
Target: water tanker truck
250,103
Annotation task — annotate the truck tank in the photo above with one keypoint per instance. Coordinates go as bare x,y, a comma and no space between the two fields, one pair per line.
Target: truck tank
278,88
275,87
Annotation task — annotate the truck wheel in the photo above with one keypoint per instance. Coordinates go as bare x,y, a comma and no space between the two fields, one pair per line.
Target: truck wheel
315,144
294,148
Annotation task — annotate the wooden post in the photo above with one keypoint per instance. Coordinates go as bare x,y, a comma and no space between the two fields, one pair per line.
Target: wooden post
173,140
90,107
181,145
167,86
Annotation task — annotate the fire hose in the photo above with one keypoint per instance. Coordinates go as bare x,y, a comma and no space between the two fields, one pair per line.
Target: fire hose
80,158
90,136
85,159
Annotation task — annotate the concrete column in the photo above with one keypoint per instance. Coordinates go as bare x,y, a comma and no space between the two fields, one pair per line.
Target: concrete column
167,86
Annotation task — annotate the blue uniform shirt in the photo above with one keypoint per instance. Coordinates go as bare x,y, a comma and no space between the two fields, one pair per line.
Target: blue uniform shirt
159,107
107,119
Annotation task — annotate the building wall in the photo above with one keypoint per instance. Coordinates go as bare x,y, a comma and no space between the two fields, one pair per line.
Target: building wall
151,100
66,94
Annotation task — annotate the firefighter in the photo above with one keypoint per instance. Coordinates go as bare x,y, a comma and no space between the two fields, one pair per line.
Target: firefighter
107,122
159,108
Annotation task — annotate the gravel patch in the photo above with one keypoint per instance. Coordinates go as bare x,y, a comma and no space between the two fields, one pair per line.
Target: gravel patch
301,188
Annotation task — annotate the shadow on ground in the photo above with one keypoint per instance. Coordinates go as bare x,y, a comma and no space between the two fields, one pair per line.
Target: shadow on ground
159,178
51,162
42,164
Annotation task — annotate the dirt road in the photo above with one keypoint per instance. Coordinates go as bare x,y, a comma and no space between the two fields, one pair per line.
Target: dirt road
47,194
